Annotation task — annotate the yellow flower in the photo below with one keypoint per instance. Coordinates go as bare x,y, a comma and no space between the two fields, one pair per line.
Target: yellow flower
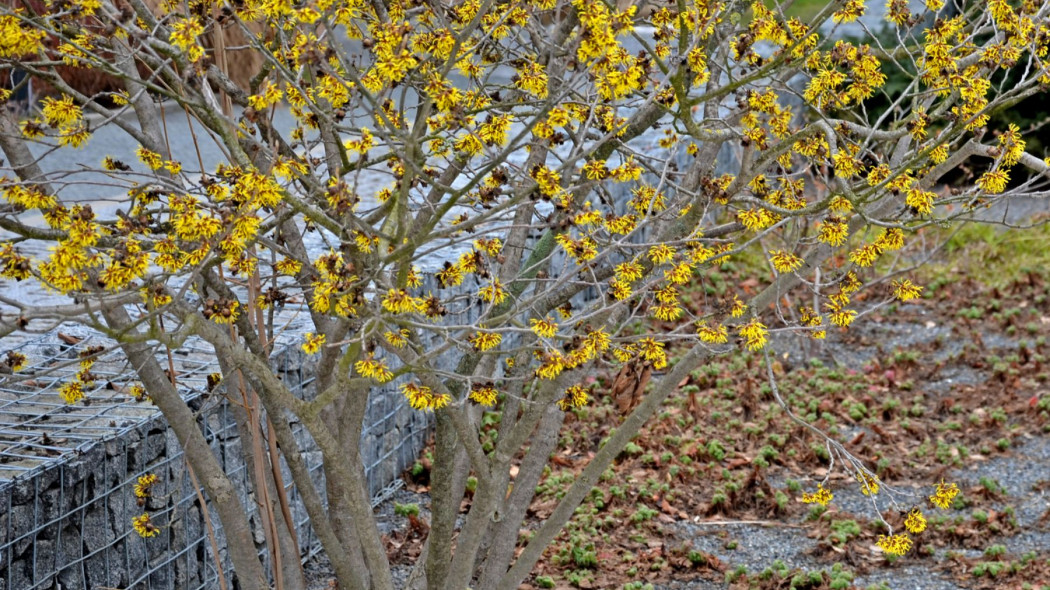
144,527
373,369
895,544
553,363
532,78
580,250
916,522
61,113
288,266
891,239
545,328
397,339
1012,144
755,334
943,496
661,253
716,335
595,170
450,276
738,308
313,342
72,392
421,397
575,397
483,341
755,219
485,395
628,271
667,312
869,486
620,290
822,496
15,361
493,292
833,233
143,485
138,393
922,201
905,290
843,317
679,274
939,154
149,158
653,352
399,301
993,181
865,255
785,261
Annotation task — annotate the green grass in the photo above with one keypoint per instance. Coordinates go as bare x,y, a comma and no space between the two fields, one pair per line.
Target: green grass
996,257
803,10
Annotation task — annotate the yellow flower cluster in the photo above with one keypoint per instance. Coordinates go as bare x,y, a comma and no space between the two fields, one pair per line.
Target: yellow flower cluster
580,250
485,395
312,343
785,261
421,397
1012,145
13,265
545,328
865,255
397,339
905,290
15,361
143,485
712,335
809,318
17,41
371,368
915,522
332,291
483,341
755,334
144,526
532,78
920,200
494,292
553,362
652,351
894,544
399,301
822,496
575,397
869,485
756,219
993,182
944,495
72,391
184,33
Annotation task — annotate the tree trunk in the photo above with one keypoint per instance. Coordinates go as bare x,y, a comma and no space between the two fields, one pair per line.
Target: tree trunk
217,485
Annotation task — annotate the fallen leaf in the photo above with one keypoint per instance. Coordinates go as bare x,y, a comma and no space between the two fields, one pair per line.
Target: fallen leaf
738,462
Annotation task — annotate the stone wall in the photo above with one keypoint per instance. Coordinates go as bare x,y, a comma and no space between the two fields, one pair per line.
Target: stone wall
68,524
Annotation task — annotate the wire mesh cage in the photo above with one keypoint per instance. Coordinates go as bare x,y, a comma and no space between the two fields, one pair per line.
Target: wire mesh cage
69,472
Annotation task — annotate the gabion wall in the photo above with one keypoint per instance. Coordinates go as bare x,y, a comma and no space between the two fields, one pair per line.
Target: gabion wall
67,498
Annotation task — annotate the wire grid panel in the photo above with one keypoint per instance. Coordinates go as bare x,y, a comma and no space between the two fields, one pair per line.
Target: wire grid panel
37,427
68,473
